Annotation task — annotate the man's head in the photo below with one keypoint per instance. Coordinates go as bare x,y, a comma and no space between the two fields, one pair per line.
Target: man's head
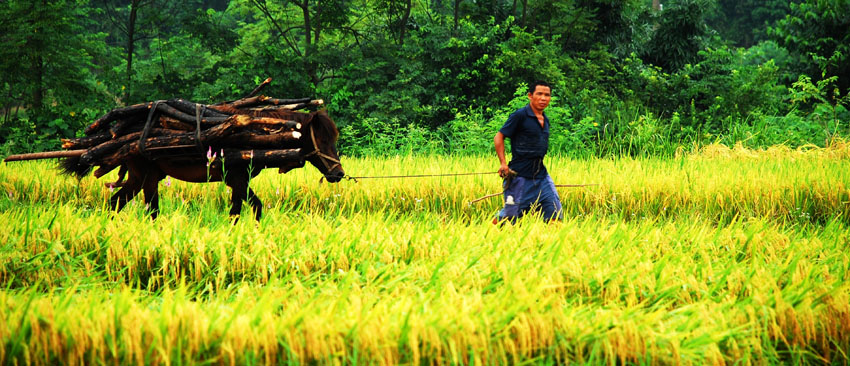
539,95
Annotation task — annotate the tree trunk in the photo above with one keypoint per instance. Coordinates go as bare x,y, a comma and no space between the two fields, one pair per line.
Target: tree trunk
38,69
131,43
457,13
316,23
402,27
656,5
524,12
38,92
309,65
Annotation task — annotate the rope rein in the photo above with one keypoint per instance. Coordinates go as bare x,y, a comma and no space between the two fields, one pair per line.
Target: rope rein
325,158
356,179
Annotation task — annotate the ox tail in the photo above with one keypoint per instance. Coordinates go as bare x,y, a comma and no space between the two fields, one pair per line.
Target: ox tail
72,166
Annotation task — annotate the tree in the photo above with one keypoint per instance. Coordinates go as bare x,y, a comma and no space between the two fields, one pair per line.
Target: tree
135,23
678,36
130,30
316,18
745,22
817,32
397,14
47,65
46,52
579,25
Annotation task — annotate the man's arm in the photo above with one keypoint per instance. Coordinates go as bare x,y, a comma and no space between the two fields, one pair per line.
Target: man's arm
499,143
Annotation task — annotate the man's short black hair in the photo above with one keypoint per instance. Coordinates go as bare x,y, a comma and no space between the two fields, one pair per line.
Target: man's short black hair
533,86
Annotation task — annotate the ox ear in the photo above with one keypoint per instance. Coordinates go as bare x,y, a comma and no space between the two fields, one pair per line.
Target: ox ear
327,124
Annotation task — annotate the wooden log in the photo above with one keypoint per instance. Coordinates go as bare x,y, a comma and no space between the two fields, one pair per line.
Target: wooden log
125,125
288,139
270,121
259,88
173,124
279,134
95,154
114,114
283,107
170,111
261,129
188,107
141,111
208,137
275,101
86,142
246,102
45,155
281,104
263,158
262,100
293,103
112,152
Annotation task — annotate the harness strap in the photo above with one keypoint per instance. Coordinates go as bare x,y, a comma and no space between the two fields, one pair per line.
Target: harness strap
199,111
324,157
148,124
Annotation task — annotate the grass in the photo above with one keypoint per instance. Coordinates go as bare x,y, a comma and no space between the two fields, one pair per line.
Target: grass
723,256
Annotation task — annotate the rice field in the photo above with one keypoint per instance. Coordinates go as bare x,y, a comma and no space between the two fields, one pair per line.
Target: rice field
723,256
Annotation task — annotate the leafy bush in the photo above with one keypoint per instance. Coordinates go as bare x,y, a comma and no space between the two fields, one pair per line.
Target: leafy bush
376,137
817,33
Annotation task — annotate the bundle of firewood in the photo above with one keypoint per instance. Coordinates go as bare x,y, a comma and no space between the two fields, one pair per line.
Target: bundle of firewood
178,128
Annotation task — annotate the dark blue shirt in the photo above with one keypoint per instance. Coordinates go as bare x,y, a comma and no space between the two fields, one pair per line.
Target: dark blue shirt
529,142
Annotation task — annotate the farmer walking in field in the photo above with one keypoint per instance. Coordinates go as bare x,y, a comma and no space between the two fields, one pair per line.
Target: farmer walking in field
531,187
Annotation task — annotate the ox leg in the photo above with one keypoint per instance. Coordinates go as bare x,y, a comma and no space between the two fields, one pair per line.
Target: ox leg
255,203
151,188
238,193
129,189
238,184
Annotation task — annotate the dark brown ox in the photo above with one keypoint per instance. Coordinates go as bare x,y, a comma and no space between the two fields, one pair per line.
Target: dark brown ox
317,145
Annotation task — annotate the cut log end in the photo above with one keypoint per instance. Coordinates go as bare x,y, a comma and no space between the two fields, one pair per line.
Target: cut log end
242,120
247,154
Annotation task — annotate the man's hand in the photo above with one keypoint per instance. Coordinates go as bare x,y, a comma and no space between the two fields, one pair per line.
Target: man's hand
504,171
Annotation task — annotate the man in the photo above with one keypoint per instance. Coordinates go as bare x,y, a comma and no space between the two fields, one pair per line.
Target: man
532,187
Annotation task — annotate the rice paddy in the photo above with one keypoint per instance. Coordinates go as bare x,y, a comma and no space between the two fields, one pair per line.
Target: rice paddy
716,257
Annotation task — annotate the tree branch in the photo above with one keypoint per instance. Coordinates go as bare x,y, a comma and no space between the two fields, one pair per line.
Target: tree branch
261,5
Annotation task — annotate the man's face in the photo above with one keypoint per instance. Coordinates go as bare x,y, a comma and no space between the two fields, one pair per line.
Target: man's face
540,98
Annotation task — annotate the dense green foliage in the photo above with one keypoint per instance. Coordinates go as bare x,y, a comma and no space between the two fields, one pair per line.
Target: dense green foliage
440,76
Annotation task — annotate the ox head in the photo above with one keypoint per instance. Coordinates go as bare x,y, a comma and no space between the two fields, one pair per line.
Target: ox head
319,137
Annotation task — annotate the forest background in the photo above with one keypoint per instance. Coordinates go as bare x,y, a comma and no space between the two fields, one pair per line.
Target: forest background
630,77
